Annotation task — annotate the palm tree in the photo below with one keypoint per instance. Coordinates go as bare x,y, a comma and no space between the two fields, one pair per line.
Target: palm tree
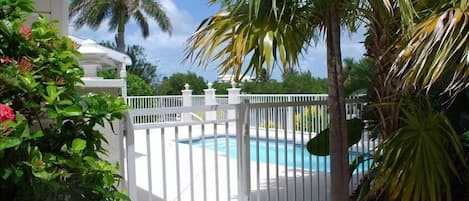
434,47
431,53
94,12
383,23
266,33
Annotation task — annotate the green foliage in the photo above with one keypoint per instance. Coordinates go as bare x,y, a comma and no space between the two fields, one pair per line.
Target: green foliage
268,87
140,65
292,83
358,75
418,160
221,87
175,83
51,150
136,86
303,83
319,145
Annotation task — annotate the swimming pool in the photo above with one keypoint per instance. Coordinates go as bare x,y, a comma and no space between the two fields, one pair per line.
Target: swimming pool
296,155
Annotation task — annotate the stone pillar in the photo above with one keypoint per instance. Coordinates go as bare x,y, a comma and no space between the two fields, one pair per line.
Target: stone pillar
233,98
210,100
186,102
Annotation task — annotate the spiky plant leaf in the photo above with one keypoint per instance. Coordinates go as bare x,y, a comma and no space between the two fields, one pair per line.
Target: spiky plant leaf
418,160
435,46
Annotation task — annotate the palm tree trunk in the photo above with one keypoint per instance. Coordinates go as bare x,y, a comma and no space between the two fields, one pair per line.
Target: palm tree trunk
338,131
120,37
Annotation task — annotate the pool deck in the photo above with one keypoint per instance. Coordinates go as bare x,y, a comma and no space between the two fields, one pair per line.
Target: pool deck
219,169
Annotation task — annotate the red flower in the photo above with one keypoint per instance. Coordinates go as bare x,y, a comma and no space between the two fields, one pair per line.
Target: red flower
6,113
25,31
25,65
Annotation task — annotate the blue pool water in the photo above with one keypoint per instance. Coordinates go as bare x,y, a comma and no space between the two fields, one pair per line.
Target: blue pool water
296,155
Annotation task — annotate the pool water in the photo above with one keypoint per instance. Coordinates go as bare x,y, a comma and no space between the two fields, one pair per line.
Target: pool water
296,155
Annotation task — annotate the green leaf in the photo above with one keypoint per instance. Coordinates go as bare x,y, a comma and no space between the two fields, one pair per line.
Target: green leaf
37,134
29,81
357,161
9,142
52,114
121,196
78,145
108,179
72,111
319,145
65,102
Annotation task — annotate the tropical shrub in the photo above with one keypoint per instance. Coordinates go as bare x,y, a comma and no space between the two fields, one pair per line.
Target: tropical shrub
49,147
175,83
136,86
270,124
418,161
313,118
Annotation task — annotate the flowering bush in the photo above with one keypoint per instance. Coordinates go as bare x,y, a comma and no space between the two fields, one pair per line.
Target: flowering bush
6,113
49,147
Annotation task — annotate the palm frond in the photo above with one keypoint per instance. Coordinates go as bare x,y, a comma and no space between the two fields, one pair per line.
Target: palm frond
155,10
242,45
77,6
114,20
143,24
435,48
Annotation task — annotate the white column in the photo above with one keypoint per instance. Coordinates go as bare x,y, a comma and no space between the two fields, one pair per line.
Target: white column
59,11
210,100
186,102
123,76
233,98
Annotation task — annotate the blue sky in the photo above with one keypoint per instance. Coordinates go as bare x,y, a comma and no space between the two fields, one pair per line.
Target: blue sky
167,51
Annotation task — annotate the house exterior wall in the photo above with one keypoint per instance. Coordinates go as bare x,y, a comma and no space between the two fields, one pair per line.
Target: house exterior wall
54,10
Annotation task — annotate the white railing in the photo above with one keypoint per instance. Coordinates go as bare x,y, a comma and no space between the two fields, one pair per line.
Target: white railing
198,160
147,102
272,98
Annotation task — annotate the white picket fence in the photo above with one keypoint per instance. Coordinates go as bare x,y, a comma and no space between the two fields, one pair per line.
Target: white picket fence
252,150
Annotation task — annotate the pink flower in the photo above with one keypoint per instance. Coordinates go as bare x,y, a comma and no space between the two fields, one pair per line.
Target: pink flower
25,31
6,113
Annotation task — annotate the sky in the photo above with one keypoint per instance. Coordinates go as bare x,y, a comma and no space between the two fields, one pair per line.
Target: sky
167,51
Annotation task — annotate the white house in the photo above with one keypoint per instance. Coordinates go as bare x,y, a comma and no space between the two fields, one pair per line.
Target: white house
227,78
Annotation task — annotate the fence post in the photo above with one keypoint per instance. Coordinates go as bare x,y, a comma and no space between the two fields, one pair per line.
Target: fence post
186,102
131,167
210,100
242,146
290,117
233,98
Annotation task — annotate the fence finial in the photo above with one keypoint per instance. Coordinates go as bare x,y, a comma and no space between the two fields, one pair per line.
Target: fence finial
233,84
209,85
186,86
